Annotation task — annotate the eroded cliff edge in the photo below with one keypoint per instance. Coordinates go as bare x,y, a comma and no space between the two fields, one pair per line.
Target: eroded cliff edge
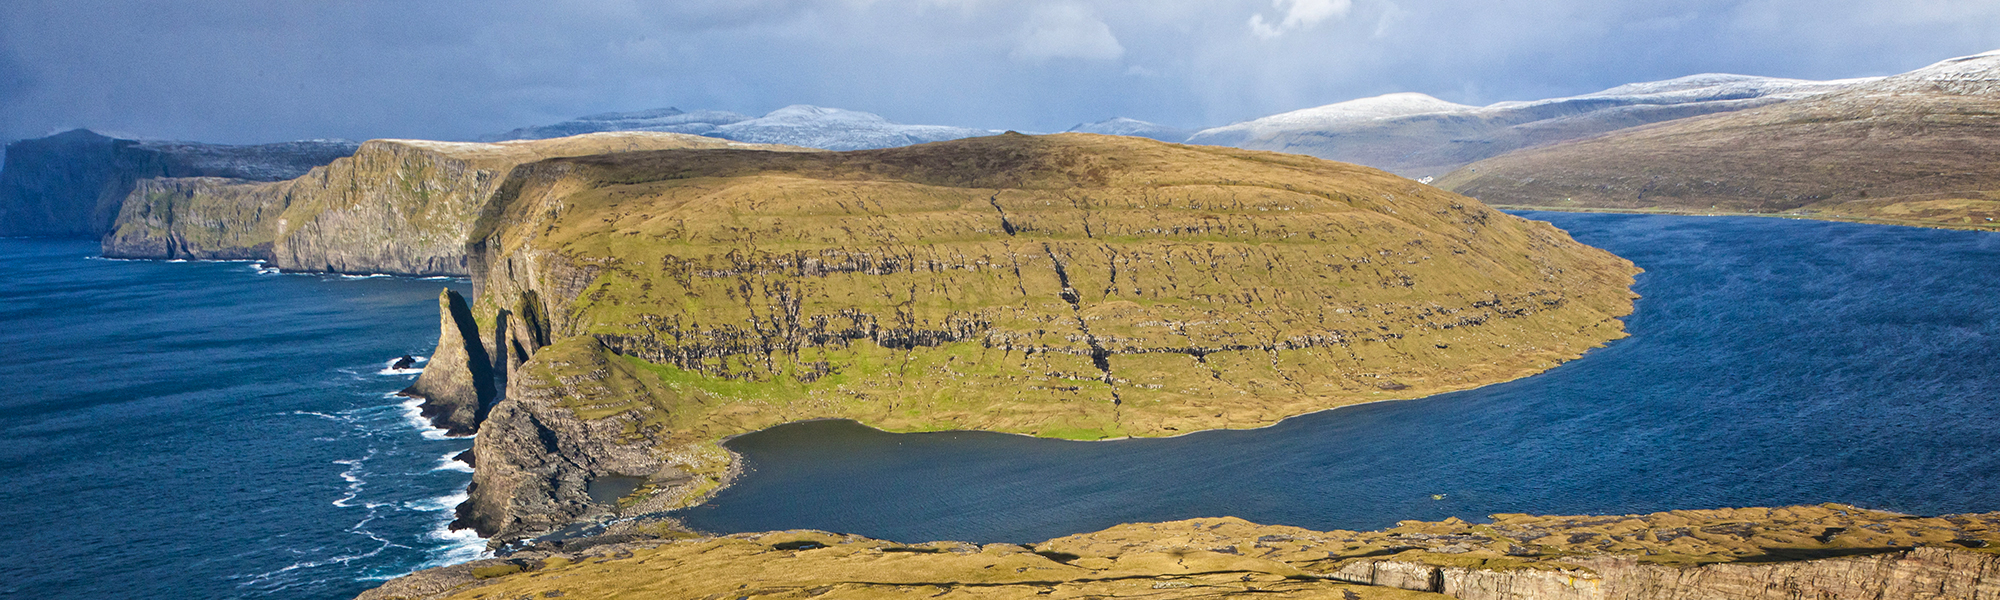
642,306
1826,552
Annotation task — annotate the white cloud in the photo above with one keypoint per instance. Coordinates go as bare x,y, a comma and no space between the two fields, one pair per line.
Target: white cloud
1298,14
1067,31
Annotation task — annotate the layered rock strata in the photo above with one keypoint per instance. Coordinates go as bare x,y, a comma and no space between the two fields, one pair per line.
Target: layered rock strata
1921,148
396,206
649,304
1827,552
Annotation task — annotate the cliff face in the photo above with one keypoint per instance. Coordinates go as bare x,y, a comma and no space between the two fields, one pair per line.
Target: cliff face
1073,286
1919,148
74,183
396,206
1828,552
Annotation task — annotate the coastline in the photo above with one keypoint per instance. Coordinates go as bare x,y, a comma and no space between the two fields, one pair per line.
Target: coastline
1993,227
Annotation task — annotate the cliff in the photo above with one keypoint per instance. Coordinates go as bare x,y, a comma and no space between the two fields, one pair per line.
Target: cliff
1827,552
1075,286
395,206
73,183
1921,148
458,393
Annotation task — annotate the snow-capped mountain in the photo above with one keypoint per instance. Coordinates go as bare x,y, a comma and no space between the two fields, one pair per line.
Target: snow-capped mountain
1135,128
670,120
1922,147
1417,135
837,129
1330,116
797,125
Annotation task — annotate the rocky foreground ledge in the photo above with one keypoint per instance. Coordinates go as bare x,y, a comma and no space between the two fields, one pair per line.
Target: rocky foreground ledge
1825,552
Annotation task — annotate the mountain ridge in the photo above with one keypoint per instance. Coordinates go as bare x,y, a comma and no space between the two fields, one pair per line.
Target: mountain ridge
1919,148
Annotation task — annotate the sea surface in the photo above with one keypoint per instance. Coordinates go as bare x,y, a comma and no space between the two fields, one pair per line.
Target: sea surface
1771,362
213,430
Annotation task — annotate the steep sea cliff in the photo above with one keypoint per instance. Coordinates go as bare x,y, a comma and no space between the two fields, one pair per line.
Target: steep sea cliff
73,183
401,207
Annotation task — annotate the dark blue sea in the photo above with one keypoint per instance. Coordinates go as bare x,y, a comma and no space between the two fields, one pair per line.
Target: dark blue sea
207,430
1771,362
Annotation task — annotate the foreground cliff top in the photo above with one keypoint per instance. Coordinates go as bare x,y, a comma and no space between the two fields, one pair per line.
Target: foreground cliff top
1828,551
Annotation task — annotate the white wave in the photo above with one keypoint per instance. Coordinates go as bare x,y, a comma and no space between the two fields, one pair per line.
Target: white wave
448,502
459,546
414,413
450,462
352,475
178,260
368,276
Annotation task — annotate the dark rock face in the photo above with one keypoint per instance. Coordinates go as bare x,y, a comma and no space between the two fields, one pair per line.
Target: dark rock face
458,383
202,218
74,183
538,459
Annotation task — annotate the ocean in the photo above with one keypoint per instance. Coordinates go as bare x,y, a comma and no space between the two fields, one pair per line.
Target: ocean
213,430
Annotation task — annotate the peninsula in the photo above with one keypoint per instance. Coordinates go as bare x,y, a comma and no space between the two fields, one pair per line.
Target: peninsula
634,309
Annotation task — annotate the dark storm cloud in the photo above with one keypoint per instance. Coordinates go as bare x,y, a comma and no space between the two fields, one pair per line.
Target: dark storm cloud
264,70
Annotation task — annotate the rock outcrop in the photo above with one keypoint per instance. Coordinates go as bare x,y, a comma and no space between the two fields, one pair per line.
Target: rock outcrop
1075,286
1921,148
457,385
1419,136
1827,552
74,183
402,207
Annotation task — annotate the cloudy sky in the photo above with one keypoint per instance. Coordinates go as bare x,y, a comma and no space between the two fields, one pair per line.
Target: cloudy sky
243,71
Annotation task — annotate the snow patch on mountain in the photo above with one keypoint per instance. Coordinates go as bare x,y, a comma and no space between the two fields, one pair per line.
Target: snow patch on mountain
1134,128
1332,115
669,120
837,129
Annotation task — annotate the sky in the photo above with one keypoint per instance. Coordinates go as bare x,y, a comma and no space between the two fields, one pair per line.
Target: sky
253,71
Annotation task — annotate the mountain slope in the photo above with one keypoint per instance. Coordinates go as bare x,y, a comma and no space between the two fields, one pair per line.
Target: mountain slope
1417,136
1073,285
1918,148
